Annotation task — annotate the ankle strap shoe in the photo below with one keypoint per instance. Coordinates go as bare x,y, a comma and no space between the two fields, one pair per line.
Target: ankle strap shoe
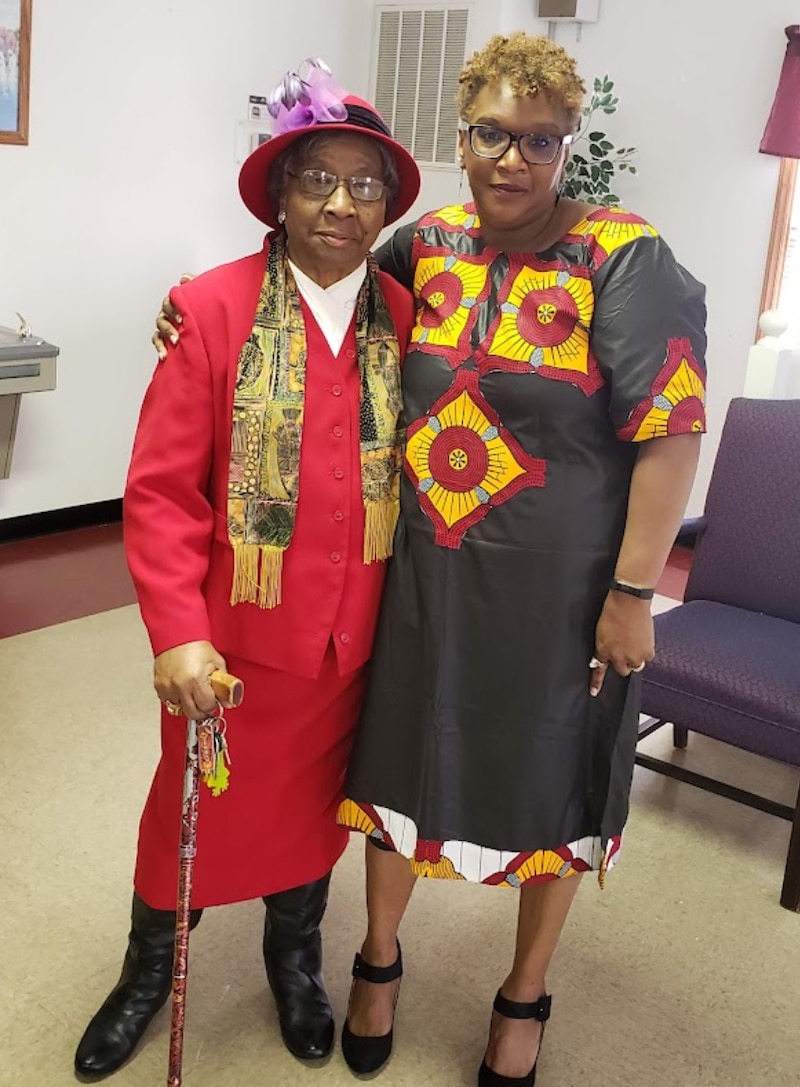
515,1009
366,1055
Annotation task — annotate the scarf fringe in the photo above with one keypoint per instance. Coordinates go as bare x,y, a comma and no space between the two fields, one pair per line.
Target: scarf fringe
379,525
257,575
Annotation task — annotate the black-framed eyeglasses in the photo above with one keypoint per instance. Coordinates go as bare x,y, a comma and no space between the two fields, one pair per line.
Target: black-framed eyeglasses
321,183
536,148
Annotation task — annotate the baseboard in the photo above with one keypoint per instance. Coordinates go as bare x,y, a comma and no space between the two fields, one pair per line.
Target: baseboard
44,524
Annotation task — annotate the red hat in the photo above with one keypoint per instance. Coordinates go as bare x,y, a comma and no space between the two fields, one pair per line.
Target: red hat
300,107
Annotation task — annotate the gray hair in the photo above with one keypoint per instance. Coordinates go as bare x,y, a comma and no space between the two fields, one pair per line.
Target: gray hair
294,158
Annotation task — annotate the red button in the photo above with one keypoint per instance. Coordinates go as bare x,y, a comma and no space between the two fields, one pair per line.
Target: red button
344,639
351,353
335,556
338,432
338,473
337,390
338,516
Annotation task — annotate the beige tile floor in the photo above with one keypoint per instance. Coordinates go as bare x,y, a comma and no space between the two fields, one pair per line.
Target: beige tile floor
685,972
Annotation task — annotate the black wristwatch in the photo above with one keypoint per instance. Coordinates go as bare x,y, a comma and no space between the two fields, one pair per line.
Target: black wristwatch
631,590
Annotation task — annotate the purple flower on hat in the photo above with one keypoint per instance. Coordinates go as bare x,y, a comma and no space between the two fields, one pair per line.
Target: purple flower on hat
302,102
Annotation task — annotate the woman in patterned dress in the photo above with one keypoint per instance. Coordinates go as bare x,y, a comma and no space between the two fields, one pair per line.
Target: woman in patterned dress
553,395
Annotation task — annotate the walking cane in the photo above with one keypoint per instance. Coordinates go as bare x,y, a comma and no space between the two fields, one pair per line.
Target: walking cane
206,754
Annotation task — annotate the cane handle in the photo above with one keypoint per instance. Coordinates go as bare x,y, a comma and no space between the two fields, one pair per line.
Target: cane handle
227,688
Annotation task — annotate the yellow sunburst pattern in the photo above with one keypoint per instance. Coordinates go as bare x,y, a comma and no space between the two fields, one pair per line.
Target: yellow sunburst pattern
449,292
541,866
543,326
441,869
464,216
462,461
676,404
356,817
611,228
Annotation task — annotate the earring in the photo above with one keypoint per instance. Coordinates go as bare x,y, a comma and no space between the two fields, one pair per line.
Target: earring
461,182
281,217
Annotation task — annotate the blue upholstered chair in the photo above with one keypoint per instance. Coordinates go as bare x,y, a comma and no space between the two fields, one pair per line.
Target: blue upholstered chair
728,659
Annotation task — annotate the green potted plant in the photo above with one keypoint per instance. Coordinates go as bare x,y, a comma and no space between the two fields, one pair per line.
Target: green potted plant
590,176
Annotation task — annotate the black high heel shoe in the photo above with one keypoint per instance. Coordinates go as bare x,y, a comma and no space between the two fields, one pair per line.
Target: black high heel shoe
514,1009
364,1055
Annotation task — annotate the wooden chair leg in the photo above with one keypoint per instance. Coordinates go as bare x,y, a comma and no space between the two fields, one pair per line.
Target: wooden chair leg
790,894
680,736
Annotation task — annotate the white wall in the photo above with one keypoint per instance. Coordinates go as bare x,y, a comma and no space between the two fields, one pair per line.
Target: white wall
130,179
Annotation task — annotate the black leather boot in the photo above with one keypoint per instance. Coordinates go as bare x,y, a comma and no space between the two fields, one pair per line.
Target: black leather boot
143,988
293,957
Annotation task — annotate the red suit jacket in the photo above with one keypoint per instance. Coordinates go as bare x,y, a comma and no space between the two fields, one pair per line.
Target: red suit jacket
176,496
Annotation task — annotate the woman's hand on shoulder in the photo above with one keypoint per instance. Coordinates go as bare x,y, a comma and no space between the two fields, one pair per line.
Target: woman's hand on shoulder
168,322
624,639
181,678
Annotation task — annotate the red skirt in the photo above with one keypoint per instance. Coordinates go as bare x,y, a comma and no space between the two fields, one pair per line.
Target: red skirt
275,826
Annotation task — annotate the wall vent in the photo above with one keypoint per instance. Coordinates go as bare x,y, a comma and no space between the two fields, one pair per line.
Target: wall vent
420,51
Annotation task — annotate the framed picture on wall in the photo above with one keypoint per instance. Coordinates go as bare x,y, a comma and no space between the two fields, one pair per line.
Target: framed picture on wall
15,62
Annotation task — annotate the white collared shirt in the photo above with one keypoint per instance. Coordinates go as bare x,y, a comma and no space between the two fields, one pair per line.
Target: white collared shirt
333,306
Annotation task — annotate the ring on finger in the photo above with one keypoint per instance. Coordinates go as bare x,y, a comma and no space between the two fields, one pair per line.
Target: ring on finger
172,708
595,663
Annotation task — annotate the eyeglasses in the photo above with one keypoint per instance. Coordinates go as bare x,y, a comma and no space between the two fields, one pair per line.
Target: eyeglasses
536,148
321,183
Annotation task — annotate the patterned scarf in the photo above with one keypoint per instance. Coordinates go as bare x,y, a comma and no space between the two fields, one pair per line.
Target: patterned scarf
268,409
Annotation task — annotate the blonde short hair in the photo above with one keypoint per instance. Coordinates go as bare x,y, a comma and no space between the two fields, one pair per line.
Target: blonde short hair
531,65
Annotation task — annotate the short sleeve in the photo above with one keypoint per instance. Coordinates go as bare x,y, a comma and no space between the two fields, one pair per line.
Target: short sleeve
648,337
395,255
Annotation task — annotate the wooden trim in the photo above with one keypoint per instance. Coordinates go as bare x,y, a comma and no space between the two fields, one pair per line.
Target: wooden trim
21,134
779,237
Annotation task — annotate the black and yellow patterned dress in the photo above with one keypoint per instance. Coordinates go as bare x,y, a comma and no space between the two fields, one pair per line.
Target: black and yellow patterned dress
529,380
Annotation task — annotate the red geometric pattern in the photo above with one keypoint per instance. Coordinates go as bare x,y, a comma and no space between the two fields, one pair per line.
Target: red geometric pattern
607,229
457,860
449,291
676,401
542,324
462,461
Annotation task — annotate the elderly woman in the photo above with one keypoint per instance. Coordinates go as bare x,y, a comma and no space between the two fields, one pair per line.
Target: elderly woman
259,513
553,394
